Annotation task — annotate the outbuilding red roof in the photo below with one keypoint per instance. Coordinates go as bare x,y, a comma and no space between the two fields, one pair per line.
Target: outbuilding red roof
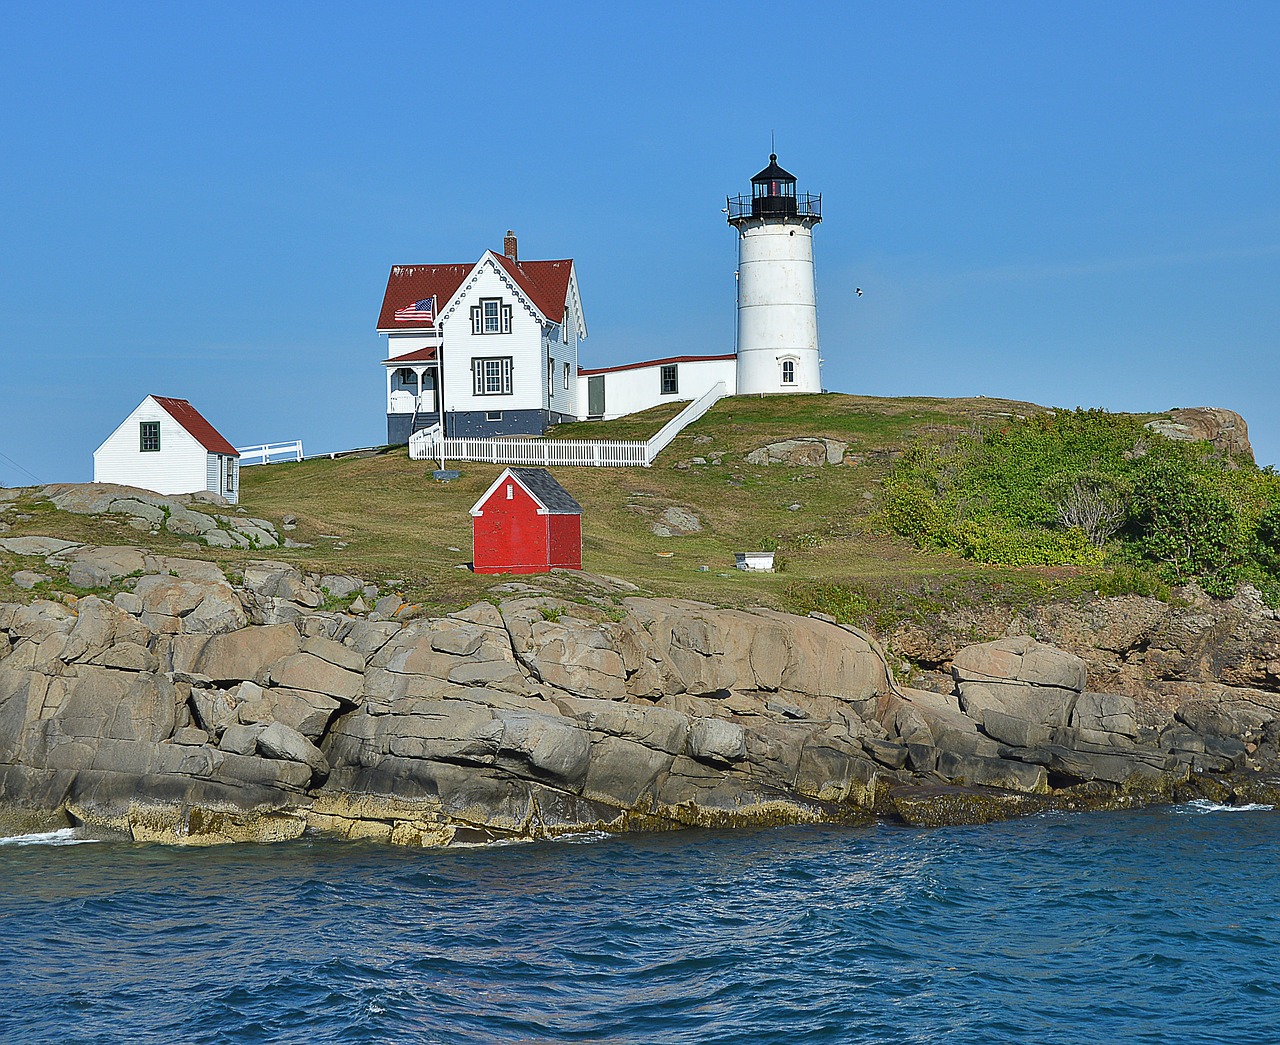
201,430
546,283
653,362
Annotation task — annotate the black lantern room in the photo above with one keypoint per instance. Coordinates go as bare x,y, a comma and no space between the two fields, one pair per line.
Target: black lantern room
774,196
773,192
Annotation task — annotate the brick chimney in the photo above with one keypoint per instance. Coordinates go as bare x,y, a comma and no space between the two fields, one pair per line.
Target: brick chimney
509,246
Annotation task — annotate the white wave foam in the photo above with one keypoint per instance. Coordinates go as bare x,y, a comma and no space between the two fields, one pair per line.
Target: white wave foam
64,836
582,837
573,838
1204,805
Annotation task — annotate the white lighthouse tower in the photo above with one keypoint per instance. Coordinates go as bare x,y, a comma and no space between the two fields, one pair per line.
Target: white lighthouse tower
777,300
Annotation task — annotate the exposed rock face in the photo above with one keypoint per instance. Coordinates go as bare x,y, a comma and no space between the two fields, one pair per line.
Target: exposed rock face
677,522
1225,429
805,452
192,711
152,511
1162,654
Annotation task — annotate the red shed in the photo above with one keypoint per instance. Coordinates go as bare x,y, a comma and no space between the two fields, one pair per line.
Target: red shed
526,522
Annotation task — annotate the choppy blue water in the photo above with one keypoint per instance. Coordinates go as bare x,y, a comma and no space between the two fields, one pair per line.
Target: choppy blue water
1153,926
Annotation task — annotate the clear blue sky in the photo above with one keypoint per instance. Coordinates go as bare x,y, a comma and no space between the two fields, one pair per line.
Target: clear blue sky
1071,203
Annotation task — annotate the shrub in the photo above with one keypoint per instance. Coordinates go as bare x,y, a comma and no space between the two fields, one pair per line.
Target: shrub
1084,488
1267,540
1182,524
1093,502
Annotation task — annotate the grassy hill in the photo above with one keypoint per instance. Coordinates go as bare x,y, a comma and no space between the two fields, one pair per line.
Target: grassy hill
399,523
385,518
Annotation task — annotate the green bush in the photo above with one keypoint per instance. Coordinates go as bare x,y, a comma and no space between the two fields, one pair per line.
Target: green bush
1088,488
1267,540
1181,523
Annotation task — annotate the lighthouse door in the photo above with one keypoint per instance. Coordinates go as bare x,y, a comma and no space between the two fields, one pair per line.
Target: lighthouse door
595,396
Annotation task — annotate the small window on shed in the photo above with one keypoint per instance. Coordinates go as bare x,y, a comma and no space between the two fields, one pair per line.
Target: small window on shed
231,475
510,492
670,382
148,436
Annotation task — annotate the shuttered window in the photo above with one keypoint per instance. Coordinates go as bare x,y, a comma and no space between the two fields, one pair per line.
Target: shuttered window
491,377
491,316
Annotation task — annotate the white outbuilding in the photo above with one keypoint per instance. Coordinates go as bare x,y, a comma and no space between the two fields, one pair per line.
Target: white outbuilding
166,445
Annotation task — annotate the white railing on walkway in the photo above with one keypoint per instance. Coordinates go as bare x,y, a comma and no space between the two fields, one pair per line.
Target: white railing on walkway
269,453
598,453
422,444
682,420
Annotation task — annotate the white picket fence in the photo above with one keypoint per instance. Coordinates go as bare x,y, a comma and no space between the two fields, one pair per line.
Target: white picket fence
428,444
269,453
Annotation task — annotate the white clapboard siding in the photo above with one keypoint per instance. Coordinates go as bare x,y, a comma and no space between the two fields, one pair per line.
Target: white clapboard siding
179,466
523,345
630,389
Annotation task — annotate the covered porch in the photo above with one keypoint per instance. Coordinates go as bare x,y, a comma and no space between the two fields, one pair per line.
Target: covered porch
413,393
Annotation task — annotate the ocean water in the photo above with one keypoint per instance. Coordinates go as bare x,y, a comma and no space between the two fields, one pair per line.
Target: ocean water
1151,926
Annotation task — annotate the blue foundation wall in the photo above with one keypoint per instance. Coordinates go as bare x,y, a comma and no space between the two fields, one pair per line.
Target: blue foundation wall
474,424
398,426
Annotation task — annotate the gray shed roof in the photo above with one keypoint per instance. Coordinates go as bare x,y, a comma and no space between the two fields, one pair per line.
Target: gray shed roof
543,486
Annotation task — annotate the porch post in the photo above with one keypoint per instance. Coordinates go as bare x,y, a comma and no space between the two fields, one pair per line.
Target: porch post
418,371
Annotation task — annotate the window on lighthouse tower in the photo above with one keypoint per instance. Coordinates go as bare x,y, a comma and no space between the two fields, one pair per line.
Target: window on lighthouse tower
788,371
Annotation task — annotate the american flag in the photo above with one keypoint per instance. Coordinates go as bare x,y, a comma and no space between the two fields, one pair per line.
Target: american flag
424,309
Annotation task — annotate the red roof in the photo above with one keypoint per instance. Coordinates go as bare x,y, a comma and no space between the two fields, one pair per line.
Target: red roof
546,283
654,362
201,430
420,355
410,283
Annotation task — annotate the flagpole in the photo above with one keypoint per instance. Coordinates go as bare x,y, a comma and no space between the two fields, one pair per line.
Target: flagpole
435,322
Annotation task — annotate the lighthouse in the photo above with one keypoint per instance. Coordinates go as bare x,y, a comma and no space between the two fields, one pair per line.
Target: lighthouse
777,298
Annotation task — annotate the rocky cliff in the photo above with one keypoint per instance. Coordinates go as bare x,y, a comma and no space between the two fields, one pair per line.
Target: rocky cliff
192,710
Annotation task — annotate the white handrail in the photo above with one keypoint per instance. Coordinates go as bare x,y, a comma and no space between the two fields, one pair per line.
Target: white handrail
291,451
682,420
422,444
596,453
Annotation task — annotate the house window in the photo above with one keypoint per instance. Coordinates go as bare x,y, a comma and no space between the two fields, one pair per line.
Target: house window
492,377
493,415
788,371
491,316
231,475
148,436
566,375
670,385
551,376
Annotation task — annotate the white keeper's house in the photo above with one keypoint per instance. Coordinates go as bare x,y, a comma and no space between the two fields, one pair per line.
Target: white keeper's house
491,348
166,446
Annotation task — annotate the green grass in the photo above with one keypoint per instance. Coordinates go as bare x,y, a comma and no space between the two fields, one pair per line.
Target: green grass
409,533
